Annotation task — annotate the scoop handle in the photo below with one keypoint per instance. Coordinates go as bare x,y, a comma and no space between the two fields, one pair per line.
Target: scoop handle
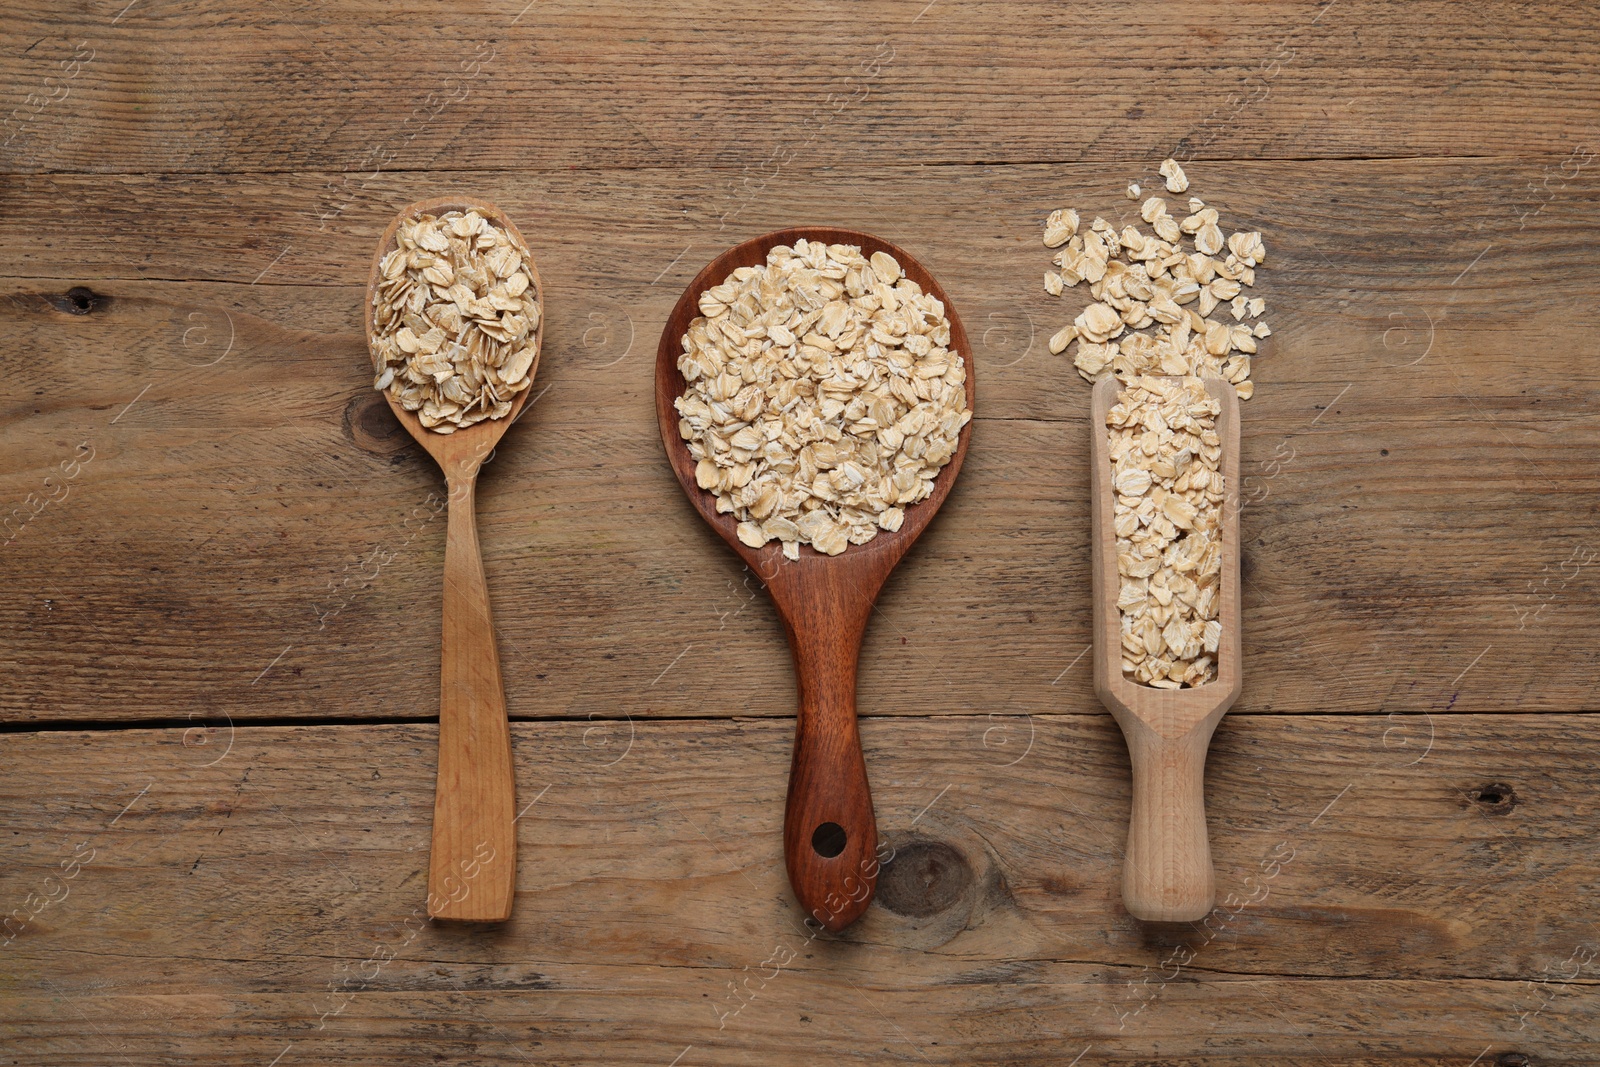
1168,876
830,835
473,864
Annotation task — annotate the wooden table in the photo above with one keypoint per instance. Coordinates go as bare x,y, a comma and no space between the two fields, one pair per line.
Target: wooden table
220,628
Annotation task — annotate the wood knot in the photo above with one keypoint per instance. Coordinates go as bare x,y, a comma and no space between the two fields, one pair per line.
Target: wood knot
924,878
1496,798
372,427
1512,1059
80,300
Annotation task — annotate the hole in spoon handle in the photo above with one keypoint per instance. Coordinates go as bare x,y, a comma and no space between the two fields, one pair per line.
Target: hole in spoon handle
829,839
830,835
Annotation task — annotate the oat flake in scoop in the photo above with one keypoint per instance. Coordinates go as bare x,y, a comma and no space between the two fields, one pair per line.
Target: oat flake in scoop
821,396
1166,462
455,320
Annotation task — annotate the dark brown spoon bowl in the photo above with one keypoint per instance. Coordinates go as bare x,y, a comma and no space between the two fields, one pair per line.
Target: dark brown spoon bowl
830,836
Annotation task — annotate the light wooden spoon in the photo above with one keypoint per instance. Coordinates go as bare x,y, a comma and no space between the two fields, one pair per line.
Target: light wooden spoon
1167,875
830,836
473,866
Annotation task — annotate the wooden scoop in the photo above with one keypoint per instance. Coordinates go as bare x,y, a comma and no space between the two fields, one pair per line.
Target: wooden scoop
1167,876
830,837
473,870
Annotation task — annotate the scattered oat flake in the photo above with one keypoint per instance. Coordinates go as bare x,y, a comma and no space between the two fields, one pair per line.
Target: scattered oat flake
1062,338
1060,227
1177,182
1152,297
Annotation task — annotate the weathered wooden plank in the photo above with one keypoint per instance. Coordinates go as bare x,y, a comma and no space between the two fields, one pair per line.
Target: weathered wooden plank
1419,473
1277,1022
230,896
1360,238
362,86
198,568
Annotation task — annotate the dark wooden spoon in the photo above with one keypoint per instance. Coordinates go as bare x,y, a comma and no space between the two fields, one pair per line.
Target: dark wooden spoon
830,837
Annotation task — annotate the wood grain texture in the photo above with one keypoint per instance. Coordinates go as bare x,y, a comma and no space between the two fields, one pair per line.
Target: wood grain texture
362,87
208,520
1371,581
1374,906
1167,874
824,603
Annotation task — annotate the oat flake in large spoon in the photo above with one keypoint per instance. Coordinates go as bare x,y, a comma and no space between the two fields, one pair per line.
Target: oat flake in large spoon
821,396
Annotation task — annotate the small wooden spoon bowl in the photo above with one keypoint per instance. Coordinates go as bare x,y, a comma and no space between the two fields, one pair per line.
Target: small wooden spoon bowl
472,866
1167,875
449,447
830,835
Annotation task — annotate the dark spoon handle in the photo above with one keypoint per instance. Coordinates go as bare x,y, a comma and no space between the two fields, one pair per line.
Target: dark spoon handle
830,835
